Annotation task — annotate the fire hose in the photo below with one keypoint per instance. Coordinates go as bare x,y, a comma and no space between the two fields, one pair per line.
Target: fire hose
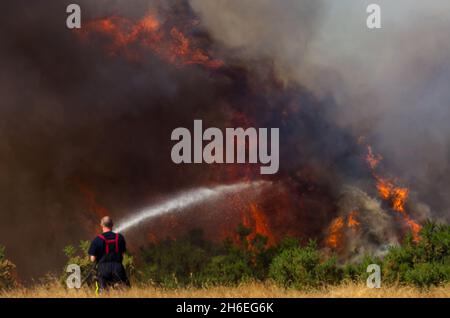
92,271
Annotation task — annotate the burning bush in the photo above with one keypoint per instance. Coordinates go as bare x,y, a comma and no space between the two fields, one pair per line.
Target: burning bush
7,268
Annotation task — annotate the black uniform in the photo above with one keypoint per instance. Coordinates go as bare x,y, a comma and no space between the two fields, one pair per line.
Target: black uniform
108,249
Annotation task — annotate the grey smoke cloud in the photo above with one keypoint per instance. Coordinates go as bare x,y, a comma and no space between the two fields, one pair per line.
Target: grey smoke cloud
390,84
275,29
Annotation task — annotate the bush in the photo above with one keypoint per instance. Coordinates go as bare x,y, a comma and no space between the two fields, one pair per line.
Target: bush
7,268
427,274
190,260
299,267
247,259
328,272
422,263
358,271
173,263
229,269
396,263
79,255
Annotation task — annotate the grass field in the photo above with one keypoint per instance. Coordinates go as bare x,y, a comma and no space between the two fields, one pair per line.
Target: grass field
251,290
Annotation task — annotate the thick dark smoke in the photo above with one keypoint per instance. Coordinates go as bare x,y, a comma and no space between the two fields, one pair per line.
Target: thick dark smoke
80,127
389,85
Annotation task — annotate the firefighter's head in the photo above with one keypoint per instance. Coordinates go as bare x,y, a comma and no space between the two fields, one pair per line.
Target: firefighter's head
106,223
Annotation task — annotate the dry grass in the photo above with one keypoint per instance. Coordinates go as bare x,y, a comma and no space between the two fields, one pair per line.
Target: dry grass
251,290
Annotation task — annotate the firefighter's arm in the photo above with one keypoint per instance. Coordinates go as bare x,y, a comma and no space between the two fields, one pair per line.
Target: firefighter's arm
92,252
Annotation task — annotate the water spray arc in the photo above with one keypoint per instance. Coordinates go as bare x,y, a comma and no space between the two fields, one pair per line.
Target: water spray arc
185,200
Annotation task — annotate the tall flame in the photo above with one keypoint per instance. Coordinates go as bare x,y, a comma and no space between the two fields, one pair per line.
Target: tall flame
397,196
335,235
260,223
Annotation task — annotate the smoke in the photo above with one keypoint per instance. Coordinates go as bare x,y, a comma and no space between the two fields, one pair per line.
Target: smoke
390,85
76,118
71,116
280,31
376,228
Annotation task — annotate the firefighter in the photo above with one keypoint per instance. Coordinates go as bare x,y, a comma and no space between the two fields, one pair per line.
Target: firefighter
107,250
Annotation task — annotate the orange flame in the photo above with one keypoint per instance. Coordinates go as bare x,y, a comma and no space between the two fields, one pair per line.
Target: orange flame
389,191
258,221
336,230
397,195
352,221
148,34
334,238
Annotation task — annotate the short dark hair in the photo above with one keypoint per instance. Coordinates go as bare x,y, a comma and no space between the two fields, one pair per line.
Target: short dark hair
106,221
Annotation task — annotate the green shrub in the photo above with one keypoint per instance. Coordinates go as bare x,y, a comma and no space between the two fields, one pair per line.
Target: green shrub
428,274
227,270
79,255
396,263
357,271
434,245
190,260
233,263
173,263
423,263
301,267
328,272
